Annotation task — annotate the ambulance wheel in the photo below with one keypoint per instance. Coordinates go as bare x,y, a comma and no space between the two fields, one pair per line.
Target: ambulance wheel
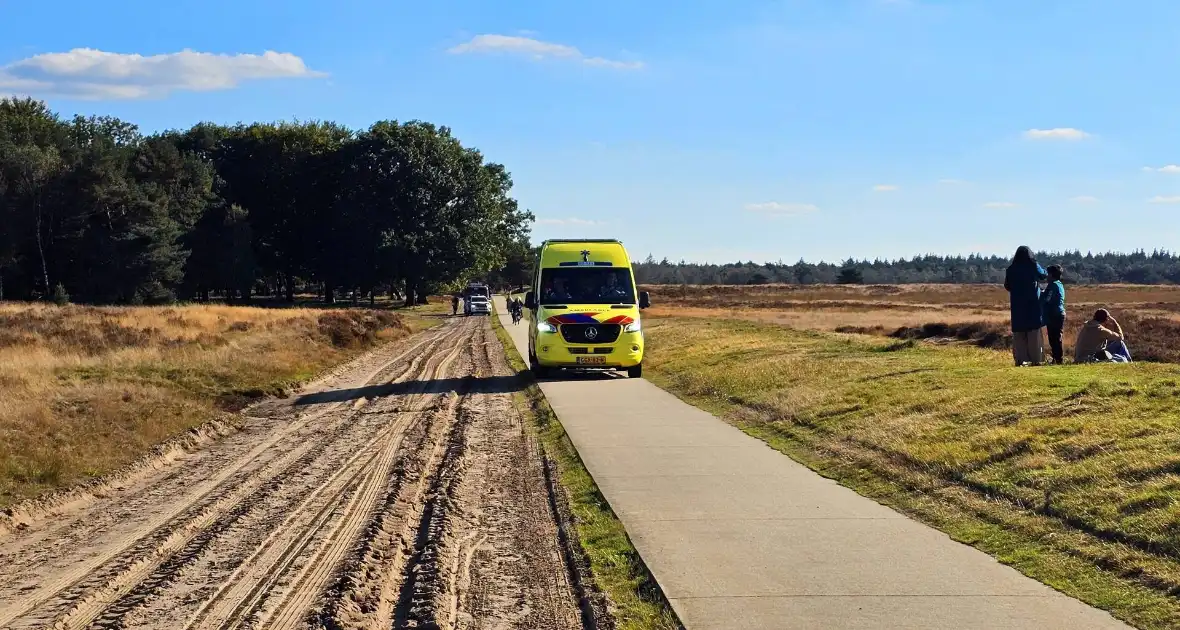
539,371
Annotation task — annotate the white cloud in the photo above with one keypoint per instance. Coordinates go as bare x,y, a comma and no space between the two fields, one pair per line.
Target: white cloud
1084,199
537,49
778,209
1171,169
886,188
999,204
89,74
569,221
1060,133
1164,199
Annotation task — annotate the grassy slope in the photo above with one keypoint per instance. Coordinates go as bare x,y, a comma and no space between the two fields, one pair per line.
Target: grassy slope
1070,474
85,391
636,601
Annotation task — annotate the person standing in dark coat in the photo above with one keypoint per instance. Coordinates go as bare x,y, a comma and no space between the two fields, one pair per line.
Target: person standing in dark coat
1022,280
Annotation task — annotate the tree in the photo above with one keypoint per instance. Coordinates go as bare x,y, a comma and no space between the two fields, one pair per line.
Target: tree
115,216
850,275
442,214
519,263
758,278
30,169
1135,267
275,172
31,139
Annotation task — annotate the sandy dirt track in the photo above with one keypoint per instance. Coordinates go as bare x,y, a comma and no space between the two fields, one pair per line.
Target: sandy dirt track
401,491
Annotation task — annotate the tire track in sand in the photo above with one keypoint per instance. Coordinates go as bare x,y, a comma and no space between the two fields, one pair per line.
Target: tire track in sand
154,540
369,586
507,565
423,505
22,550
473,544
355,485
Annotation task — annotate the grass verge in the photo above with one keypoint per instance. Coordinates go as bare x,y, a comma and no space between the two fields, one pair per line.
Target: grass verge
636,601
86,391
1070,474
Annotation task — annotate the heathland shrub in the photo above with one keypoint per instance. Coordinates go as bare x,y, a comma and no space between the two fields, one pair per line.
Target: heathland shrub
355,328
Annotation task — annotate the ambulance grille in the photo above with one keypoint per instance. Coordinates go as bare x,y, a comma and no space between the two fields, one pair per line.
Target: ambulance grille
580,333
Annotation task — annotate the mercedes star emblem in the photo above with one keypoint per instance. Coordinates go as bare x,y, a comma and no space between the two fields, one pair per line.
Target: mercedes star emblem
591,333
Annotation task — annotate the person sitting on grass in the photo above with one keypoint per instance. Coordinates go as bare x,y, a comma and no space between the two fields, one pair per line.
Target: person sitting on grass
1053,310
1101,340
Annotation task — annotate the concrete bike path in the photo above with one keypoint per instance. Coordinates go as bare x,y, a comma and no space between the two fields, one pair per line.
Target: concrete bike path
739,535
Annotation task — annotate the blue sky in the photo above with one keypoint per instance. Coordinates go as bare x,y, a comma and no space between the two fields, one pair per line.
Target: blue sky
709,130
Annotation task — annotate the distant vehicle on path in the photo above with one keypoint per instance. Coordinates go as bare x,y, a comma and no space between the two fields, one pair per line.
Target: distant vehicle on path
477,299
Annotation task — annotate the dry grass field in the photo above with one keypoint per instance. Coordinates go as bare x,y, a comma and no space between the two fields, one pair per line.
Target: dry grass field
87,390
1069,474
975,314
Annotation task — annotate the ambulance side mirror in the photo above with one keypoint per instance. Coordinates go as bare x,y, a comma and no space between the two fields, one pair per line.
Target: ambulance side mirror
530,301
644,299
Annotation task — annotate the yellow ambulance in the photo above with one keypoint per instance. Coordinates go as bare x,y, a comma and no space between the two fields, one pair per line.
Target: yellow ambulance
584,309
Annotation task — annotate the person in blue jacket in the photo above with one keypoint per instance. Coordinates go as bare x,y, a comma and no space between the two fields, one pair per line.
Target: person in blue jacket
1053,310
1022,280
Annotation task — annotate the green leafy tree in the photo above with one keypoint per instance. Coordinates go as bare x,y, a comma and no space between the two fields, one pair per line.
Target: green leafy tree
31,142
222,253
442,214
111,215
519,262
273,171
31,169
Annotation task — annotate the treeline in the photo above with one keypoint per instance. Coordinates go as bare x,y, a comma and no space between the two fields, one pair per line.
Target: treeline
1159,267
520,261
92,209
